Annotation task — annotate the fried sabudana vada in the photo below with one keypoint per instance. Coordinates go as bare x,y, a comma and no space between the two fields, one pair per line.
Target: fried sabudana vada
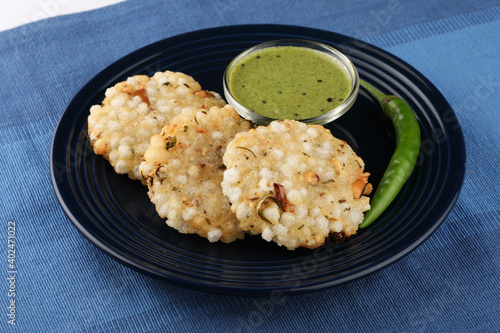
136,109
184,170
295,184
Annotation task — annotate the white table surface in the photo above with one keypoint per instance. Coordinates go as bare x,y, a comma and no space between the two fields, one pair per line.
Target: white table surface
18,12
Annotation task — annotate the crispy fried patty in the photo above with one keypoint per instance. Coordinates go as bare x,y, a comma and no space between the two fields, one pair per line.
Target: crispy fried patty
294,184
136,109
184,170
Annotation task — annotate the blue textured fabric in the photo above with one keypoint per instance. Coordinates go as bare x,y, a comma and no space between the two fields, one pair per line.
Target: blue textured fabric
65,284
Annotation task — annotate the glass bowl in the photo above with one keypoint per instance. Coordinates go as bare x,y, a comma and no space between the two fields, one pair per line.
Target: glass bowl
325,117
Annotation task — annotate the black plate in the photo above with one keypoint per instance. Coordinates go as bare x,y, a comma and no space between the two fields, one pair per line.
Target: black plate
116,215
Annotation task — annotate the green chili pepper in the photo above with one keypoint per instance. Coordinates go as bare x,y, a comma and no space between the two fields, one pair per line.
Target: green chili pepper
404,157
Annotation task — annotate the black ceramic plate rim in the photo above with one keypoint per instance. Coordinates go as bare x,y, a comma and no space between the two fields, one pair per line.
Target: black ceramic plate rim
231,288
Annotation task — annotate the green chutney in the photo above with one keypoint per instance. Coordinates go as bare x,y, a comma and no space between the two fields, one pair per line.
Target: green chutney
289,82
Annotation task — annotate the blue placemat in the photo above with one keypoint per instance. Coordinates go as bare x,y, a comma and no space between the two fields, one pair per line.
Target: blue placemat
62,283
